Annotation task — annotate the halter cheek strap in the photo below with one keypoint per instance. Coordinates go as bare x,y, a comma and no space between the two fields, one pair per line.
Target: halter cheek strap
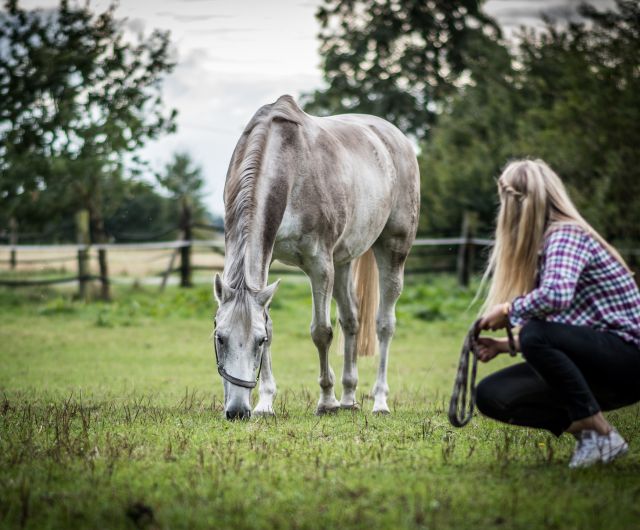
234,380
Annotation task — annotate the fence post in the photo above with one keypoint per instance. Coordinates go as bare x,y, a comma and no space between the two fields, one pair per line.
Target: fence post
13,240
466,250
103,264
167,273
185,252
105,293
83,238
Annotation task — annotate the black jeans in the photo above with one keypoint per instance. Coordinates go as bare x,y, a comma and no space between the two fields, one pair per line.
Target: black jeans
570,373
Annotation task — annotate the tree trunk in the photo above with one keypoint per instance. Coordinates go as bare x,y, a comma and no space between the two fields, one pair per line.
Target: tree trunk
465,251
13,240
100,236
83,238
185,252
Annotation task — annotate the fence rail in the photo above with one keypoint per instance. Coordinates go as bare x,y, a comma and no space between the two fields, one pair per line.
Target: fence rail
425,258
85,252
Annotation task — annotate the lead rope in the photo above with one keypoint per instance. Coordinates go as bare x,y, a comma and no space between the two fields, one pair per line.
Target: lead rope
463,396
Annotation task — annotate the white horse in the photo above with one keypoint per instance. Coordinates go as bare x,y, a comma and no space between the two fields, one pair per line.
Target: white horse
317,193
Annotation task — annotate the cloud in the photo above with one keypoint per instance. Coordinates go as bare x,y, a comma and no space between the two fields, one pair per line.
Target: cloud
136,25
190,18
514,14
224,31
214,108
530,12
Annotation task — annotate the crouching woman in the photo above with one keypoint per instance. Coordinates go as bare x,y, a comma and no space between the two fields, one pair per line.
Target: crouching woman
579,311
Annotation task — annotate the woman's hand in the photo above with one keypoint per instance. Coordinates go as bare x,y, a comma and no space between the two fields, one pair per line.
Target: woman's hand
495,318
488,348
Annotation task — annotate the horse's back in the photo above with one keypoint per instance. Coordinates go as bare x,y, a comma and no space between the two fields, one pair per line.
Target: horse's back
348,176
405,173
400,229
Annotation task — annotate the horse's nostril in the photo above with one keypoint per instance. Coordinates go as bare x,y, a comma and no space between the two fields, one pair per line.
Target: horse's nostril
238,414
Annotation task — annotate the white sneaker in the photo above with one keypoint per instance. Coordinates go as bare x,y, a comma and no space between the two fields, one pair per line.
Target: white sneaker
612,446
593,447
587,451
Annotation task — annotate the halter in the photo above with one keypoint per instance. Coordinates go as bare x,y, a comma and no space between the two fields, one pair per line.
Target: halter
461,411
227,376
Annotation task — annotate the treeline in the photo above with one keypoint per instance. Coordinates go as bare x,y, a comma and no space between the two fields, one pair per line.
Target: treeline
567,93
79,97
132,209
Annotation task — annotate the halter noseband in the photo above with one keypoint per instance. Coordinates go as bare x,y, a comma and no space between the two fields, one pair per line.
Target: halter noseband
227,376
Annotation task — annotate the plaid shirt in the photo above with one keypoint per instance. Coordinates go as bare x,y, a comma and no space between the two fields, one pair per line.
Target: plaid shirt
580,283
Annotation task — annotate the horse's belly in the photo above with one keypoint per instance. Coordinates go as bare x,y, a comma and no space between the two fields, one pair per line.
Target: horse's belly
369,213
298,241
297,247
344,214
357,240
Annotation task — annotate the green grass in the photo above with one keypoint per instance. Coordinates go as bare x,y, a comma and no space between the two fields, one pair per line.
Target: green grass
110,416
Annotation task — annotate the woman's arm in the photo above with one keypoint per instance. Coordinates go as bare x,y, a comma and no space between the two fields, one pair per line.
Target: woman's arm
565,255
489,347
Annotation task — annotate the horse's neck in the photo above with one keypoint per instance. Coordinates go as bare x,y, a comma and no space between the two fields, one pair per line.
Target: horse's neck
249,251
246,265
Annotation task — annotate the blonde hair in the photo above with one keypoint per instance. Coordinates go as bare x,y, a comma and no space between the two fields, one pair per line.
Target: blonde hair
533,202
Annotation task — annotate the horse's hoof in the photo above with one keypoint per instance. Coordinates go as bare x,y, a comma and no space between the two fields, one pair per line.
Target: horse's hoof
381,412
264,413
350,406
322,410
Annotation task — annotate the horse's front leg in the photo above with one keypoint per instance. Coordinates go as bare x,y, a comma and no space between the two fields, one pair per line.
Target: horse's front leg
322,287
267,391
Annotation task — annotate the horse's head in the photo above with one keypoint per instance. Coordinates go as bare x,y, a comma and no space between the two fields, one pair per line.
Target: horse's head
242,333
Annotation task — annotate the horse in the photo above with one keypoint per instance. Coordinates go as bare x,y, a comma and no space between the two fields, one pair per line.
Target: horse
323,194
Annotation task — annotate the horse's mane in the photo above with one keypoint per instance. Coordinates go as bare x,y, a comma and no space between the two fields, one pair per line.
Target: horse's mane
242,176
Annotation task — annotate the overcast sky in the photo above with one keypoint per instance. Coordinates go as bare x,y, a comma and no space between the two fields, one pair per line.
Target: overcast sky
236,55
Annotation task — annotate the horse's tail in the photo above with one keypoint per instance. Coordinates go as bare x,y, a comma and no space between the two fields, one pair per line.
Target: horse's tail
365,273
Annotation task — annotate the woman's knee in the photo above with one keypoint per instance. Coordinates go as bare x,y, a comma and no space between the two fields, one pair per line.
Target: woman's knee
533,335
487,399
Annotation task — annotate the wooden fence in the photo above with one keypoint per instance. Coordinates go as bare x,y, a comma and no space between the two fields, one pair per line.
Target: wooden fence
182,250
456,254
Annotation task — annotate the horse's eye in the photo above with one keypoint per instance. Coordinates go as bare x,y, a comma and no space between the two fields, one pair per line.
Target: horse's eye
263,341
220,340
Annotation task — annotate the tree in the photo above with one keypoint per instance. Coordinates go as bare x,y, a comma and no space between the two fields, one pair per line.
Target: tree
584,113
397,59
472,140
142,214
183,180
76,95
569,95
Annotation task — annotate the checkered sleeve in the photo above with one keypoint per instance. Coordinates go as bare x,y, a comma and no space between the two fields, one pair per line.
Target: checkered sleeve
565,254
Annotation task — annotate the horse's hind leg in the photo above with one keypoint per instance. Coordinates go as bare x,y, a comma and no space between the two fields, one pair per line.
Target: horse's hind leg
391,270
345,297
321,275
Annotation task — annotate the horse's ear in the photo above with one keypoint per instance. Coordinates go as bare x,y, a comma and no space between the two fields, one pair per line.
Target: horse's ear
221,291
264,297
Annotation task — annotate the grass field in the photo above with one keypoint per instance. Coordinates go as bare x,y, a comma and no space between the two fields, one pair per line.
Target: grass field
110,417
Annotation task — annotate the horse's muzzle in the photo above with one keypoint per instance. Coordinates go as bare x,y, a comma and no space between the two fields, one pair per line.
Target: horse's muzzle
238,413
